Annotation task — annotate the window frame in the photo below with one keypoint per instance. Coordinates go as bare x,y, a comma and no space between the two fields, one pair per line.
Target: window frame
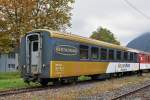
124,56
120,55
101,55
35,46
12,55
135,57
11,66
98,54
109,54
131,53
88,56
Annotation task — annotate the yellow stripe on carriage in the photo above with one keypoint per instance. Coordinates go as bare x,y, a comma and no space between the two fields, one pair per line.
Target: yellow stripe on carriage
76,68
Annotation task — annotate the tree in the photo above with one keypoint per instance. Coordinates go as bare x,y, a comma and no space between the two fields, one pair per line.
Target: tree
24,15
5,40
105,35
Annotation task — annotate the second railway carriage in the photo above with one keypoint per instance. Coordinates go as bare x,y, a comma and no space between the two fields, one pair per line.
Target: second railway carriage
53,56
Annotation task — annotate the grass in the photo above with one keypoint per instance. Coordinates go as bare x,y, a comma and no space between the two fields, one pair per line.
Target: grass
12,80
9,75
11,83
84,78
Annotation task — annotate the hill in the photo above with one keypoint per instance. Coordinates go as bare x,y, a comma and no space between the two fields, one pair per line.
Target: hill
141,43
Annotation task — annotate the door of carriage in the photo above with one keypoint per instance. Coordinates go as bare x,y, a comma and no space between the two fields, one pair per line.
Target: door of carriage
33,53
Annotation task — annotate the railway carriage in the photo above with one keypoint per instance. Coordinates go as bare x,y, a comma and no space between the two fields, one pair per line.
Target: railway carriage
47,55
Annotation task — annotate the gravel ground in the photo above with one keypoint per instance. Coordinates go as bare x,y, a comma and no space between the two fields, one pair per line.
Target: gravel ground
123,90
141,95
92,90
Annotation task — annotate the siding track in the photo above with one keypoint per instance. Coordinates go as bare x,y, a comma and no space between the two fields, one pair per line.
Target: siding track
129,93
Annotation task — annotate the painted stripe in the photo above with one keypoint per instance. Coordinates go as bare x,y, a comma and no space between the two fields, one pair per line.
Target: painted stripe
76,68
122,67
144,66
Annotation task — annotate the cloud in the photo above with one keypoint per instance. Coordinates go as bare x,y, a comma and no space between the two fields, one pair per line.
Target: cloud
115,15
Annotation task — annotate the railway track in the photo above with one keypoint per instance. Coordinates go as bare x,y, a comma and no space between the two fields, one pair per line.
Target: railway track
124,95
39,88
21,90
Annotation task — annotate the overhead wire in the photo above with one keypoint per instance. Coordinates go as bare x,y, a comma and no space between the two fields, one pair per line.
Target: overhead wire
136,9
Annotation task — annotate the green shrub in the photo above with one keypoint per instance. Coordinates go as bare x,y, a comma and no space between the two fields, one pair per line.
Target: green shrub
83,78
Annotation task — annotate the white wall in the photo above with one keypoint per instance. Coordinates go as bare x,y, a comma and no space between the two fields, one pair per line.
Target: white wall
7,63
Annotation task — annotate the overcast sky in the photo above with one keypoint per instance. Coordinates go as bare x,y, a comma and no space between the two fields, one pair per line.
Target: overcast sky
115,15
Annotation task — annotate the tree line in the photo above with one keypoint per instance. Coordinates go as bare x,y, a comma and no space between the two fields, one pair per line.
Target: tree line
20,16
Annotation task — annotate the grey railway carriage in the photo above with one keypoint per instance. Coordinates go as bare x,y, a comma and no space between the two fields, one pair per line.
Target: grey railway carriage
53,56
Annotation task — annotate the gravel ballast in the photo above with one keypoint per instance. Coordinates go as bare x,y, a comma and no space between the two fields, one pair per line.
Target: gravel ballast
103,90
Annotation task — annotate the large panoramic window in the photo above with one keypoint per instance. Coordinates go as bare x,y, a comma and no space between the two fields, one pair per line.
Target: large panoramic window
103,54
111,54
35,46
94,53
118,55
84,52
131,56
135,57
125,55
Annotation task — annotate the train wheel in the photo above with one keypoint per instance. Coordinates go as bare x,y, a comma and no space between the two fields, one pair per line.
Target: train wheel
119,75
100,77
44,82
64,81
75,80
56,82
94,77
69,80
110,76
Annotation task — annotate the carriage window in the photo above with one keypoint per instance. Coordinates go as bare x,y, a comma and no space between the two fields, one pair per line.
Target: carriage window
83,52
125,55
103,54
33,37
94,53
135,57
131,56
118,55
35,46
111,54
